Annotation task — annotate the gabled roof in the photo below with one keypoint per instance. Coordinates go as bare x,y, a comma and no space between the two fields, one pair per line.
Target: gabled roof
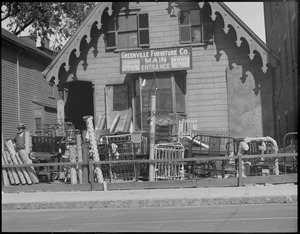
242,30
6,35
254,42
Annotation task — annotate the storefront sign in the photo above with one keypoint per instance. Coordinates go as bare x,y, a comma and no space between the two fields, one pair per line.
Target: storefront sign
167,59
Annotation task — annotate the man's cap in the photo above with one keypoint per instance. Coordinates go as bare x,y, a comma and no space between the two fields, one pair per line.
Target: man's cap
21,125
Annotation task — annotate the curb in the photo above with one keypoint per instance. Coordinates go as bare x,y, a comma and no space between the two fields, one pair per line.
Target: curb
151,203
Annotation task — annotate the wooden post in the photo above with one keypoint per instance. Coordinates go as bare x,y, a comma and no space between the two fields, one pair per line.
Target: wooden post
114,123
26,160
152,136
102,123
12,154
97,128
4,173
240,180
90,129
128,120
85,156
23,169
13,170
91,175
79,157
73,172
9,172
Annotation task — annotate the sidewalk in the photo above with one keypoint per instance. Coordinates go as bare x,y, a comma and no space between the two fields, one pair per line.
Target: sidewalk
152,197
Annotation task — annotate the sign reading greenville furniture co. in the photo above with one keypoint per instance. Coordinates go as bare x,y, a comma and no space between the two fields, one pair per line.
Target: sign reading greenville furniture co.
179,58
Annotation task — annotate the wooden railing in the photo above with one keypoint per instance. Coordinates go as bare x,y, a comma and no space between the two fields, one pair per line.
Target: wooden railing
207,182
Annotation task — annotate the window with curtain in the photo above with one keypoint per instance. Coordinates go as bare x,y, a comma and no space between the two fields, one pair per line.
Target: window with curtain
195,26
128,31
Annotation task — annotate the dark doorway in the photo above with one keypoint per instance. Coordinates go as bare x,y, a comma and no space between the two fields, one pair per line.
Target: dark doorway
79,102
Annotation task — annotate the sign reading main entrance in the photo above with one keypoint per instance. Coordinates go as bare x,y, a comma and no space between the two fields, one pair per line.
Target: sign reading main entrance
167,59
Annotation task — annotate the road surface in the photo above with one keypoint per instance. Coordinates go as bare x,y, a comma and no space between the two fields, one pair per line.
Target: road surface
220,218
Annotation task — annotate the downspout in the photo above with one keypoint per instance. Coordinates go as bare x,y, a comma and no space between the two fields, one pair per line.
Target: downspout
18,85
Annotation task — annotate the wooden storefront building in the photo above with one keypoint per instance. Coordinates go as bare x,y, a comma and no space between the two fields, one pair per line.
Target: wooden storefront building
202,62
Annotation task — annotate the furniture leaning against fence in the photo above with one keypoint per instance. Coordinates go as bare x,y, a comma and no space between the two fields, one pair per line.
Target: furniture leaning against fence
169,170
257,146
204,145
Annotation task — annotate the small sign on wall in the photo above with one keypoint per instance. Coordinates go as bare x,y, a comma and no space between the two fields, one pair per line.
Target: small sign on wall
166,59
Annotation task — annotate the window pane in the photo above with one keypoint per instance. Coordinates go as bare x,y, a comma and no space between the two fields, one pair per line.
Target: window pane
164,95
180,102
185,34
122,24
196,34
184,18
195,17
111,40
120,98
123,40
143,21
127,23
179,84
132,39
144,37
132,23
127,40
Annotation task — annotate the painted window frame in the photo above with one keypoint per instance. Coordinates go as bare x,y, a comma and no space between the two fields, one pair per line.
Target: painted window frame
51,90
138,102
206,26
142,31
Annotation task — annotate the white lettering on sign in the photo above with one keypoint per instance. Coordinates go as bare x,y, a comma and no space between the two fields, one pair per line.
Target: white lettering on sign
163,53
131,65
180,61
183,51
135,55
156,60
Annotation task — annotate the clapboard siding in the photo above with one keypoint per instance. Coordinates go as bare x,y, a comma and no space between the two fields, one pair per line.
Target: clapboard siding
8,93
33,86
203,87
206,83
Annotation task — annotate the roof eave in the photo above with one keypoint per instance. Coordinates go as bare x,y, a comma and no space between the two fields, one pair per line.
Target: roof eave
242,30
74,43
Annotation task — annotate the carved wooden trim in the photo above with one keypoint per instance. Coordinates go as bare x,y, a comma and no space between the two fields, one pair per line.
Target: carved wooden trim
74,42
242,31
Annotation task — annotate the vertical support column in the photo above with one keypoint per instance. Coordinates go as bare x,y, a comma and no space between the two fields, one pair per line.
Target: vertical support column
79,157
240,182
72,148
90,129
85,159
152,136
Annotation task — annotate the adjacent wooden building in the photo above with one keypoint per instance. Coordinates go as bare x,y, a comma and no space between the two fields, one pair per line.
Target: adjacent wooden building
199,59
281,20
27,97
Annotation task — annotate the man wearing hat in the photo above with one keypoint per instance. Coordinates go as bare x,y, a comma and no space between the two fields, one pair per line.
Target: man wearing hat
20,137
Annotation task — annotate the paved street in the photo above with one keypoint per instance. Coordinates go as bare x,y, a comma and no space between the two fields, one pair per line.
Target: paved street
222,218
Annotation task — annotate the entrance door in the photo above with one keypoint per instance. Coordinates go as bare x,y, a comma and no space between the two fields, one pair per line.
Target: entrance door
80,102
170,97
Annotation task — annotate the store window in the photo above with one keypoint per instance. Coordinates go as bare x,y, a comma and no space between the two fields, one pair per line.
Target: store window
169,89
130,30
195,26
51,89
38,124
